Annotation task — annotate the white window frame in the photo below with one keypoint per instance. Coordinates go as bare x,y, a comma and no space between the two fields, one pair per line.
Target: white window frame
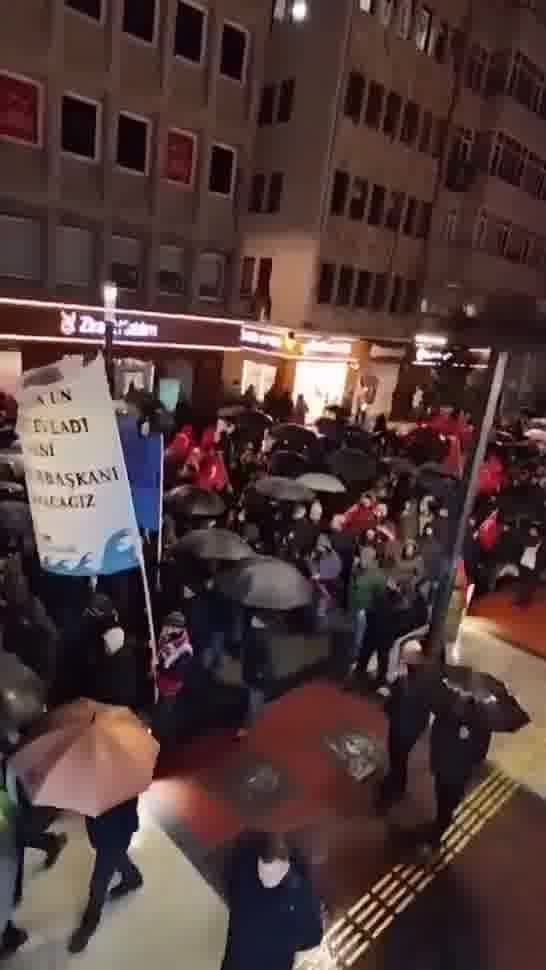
223,259
148,123
142,40
229,148
40,88
86,16
193,135
98,128
246,32
204,35
26,276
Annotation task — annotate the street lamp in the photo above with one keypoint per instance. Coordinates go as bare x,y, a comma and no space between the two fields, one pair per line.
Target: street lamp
299,11
110,299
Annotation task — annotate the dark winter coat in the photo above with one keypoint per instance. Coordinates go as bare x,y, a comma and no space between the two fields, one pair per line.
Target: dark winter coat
113,830
268,926
452,758
116,678
408,708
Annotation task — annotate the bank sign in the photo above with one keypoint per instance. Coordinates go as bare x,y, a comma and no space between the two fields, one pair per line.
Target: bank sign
74,323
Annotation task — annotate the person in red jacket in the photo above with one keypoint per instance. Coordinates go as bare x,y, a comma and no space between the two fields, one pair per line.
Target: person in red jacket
361,515
211,472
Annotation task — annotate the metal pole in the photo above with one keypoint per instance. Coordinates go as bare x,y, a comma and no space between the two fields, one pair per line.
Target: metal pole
110,296
469,485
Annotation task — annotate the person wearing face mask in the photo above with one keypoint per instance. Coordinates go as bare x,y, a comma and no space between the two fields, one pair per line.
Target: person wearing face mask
274,911
114,677
174,660
408,712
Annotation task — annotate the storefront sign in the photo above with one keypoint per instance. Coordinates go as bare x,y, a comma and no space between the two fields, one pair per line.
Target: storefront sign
76,324
79,494
334,348
20,109
261,338
433,356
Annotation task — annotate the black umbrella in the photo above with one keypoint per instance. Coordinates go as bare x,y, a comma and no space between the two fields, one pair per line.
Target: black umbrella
288,464
400,466
465,694
187,501
282,489
266,584
321,482
212,544
22,694
245,417
357,438
294,436
433,481
330,428
353,466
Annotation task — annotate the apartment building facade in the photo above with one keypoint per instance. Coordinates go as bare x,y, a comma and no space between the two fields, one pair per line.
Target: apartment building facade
399,163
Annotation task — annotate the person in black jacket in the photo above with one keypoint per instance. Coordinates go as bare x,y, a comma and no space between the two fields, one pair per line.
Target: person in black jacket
274,911
408,711
110,835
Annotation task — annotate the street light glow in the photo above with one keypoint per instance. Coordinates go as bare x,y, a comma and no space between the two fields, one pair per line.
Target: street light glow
430,339
300,11
110,295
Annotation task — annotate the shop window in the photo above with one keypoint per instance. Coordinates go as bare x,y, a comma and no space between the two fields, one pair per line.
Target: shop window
257,192
345,285
260,376
409,219
190,31
222,170
363,285
424,220
21,101
133,143
74,256
274,195
396,295
340,191
426,133
80,127
410,123
267,103
392,114
411,296
170,276
286,100
423,24
21,249
234,54
126,259
180,157
379,291
394,212
139,19
326,283
374,105
354,96
248,267
377,206
405,12
91,8
211,271
359,196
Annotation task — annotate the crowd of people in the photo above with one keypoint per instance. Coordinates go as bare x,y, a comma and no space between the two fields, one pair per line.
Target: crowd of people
370,528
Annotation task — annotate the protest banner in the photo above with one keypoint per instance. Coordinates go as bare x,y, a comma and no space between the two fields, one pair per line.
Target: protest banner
143,459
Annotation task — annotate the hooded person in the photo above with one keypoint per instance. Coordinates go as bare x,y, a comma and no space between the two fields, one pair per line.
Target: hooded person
274,911
114,675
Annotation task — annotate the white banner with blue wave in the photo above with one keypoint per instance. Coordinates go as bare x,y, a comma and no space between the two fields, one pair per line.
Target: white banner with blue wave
79,494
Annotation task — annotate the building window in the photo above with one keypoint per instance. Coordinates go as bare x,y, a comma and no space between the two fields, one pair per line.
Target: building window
80,127
410,297
359,195
257,192
267,103
345,286
133,142
409,218
404,18
211,272
139,19
386,8
426,133
374,105
91,8
396,295
180,157
362,292
286,100
410,123
222,170
248,268
379,291
423,23
234,54
476,68
274,196
21,109
354,96
74,256
125,266
394,212
392,114
424,220
440,42
21,249
189,34
377,206
339,193
170,275
326,283
449,231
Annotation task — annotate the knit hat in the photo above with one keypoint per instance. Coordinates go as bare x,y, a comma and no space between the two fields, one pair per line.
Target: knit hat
175,619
